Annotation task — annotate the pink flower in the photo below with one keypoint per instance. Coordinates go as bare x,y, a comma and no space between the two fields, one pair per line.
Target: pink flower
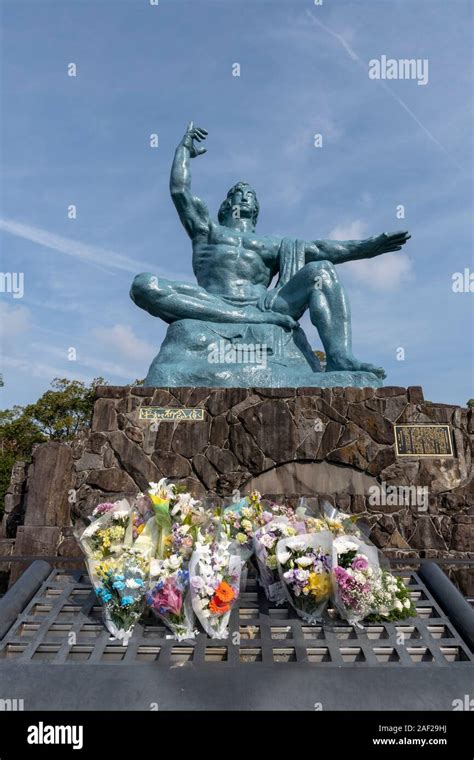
168,599
360,563
101,509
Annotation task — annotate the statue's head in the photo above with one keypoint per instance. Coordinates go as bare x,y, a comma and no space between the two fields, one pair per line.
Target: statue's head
241,203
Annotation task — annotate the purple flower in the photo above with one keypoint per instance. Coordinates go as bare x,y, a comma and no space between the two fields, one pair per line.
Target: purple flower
197,583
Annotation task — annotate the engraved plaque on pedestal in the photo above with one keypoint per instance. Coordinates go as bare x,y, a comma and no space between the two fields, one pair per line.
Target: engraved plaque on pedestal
170,414
423,441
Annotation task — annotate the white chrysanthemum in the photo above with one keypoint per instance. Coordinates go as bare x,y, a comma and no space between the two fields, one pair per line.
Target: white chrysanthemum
90,530
296,544
120,514
156,567
175,562
343,545
304,561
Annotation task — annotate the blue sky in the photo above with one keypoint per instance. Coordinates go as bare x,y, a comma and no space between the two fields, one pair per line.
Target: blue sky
145,69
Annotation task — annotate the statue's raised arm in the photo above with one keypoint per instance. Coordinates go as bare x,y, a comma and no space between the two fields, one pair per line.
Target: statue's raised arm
192,210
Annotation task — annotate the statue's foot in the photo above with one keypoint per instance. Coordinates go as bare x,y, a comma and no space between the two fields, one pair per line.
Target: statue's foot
350,364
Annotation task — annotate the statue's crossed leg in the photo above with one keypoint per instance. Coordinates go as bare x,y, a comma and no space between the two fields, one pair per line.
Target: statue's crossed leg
171,300
315,287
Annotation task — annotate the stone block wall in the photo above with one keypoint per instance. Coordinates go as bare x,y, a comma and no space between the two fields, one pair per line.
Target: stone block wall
330,443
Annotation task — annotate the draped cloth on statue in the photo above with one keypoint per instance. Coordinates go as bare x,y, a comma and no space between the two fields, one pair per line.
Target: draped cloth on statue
291,258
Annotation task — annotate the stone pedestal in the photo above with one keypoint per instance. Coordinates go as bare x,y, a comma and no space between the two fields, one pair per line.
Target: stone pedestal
196,353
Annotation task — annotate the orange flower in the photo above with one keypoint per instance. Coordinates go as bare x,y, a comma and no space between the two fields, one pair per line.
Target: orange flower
218,607
224,592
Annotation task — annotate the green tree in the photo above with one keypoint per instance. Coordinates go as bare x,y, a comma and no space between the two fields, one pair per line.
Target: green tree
58,415
63,412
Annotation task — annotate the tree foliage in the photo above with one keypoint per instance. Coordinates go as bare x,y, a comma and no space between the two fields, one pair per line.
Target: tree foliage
58,415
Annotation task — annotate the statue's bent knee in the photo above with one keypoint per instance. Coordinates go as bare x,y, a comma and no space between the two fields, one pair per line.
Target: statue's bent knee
321,269
145,287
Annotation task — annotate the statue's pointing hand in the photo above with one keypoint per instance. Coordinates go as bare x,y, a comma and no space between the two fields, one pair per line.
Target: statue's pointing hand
194,133
385,243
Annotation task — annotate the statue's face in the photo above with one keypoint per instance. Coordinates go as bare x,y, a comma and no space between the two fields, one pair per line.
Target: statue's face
244,199
241,203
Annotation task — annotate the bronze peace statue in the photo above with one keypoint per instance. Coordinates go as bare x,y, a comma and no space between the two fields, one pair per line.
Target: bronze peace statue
231,329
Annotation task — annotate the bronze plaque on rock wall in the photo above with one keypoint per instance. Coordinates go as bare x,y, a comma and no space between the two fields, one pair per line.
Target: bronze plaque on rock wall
423,441
170,414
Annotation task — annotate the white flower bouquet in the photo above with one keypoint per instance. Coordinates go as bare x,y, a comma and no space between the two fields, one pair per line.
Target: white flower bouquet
266,539
304,564
214,578
355,573
118,565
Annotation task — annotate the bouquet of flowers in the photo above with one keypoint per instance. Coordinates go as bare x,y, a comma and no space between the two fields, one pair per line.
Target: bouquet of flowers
304,564
167,595
364,589
169,587
111,528
339,523
266,539
355,576
391,599
119,566
214,577
142,512
237,525
120,584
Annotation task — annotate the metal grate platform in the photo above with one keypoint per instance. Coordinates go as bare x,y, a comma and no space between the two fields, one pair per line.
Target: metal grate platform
62,624
59,635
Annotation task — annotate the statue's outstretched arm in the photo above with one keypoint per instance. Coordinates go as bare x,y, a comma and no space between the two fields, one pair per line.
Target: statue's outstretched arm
339,251
192,211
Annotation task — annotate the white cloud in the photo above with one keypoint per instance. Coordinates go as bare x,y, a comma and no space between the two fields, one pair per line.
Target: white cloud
99,365
13,321
123,339
34,368
355,230
92,254
105,368
387,272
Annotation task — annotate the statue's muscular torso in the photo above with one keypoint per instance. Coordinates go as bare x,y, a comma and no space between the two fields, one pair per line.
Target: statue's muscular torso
234,264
